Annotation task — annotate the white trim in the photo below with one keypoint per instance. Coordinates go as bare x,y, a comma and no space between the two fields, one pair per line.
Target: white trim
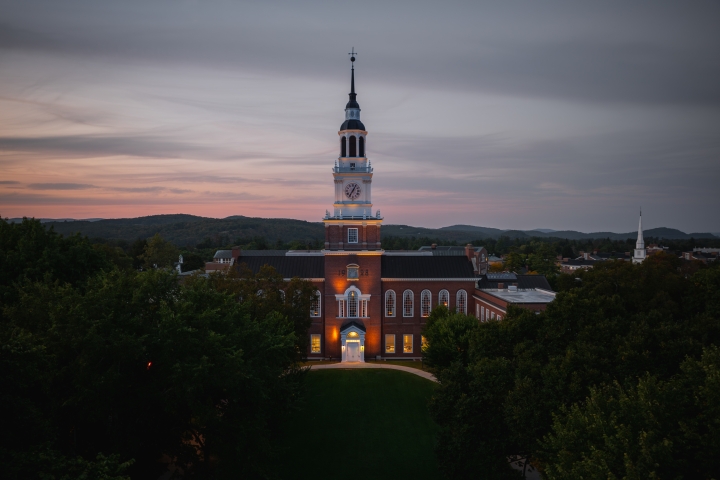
488,303
469,279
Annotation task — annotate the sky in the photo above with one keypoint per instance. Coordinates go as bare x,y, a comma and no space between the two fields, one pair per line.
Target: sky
522,115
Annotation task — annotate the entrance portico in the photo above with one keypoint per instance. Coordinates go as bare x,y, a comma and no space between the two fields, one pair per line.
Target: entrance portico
352,338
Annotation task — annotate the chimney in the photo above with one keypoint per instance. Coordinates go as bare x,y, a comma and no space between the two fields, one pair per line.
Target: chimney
236,252
433,246
501,286
469,251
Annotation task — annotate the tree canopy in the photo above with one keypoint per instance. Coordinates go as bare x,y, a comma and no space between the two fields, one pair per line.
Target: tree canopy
108,371
618,378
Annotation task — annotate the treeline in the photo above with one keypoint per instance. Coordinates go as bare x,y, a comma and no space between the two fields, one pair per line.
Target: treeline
618,378
108,372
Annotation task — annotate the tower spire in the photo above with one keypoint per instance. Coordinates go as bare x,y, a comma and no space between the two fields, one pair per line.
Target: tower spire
640,252
353,96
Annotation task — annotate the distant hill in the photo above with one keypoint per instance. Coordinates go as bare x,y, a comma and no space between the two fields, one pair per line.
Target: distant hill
189,230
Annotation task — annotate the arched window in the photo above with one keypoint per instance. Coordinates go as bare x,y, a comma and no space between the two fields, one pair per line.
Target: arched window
353,304
390,303
343,148
444,298
362,147
315,305
407,303
353,149
425,303
461,301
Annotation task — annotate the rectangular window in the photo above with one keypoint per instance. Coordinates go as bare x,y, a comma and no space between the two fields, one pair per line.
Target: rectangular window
363,308
315,343
352,235
407,343
341,308
477,311
482,314
499,317
389,343
492,316
423,343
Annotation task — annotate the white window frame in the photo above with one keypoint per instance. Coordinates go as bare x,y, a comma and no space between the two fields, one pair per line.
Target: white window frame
461,294
425,303
412,303
350,236
341,308
316,305
390,294
444,295
477,311
353,305
411,342
390,335
319,339
482,314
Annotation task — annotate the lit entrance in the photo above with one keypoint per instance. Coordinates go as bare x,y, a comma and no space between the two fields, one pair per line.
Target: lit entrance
352,338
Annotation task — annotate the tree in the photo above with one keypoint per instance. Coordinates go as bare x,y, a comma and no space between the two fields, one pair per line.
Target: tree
514,261
509,382
159,253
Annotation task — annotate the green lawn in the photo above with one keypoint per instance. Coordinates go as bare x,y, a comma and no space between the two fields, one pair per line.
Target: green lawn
361,424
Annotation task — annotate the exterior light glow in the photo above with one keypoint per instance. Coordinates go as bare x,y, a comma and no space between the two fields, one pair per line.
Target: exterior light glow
149,364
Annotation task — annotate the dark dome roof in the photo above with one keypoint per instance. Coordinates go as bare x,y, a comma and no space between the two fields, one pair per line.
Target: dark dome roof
352,125
352,103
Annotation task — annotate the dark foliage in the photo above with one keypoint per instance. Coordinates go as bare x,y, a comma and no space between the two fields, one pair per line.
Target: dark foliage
108,371
612,381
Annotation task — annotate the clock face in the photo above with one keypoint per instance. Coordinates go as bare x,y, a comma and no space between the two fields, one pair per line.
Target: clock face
352,190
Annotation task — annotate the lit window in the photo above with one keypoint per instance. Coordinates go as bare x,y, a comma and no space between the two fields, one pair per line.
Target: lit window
353,335
315,306
390,303
353,272
444,298
389,343
407,343
423,343
352,304
352,235
315,343
461,301
425,303
407,303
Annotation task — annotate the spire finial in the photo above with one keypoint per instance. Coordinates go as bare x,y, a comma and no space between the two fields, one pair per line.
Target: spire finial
352,76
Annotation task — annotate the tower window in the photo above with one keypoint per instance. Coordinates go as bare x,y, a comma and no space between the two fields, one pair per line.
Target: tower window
353,146
343,148
362,147
352,235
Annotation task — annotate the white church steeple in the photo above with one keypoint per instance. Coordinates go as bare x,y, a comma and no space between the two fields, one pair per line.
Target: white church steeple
640,252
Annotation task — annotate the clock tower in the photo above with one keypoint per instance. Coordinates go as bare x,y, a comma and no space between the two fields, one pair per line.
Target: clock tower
352,225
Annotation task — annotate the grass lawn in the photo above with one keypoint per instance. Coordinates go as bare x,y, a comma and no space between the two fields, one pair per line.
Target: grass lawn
361,424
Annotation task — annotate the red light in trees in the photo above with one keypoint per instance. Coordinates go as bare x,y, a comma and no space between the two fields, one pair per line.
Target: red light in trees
149,364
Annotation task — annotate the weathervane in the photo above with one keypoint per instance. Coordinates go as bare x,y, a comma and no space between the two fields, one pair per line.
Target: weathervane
352,55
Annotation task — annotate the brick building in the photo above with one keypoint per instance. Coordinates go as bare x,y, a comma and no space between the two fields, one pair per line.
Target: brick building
370,303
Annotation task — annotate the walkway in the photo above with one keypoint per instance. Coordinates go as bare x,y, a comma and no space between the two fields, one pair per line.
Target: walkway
351,365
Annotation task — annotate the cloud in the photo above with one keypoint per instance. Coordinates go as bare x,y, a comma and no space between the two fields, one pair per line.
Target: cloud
8,182
60,186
